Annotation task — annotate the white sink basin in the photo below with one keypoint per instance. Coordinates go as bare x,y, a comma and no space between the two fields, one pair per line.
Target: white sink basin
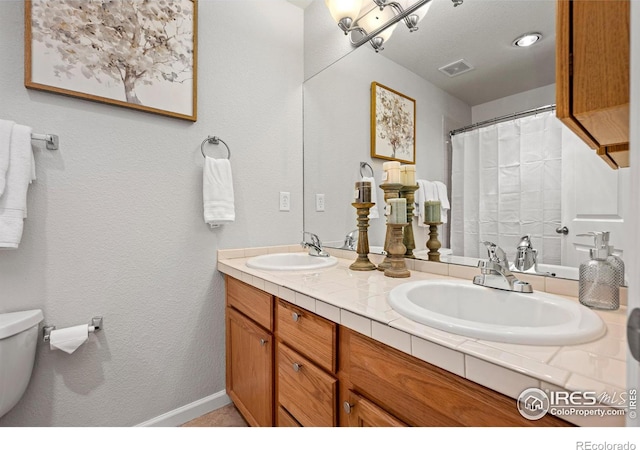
464,308
291,261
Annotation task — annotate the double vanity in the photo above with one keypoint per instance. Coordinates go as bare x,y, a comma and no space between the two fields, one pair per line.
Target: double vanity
328,346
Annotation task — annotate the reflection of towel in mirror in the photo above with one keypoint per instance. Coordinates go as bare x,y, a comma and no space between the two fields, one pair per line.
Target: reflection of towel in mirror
428,191
217,192
373,212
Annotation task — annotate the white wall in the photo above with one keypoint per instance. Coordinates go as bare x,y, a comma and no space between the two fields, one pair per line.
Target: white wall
534,98
115,223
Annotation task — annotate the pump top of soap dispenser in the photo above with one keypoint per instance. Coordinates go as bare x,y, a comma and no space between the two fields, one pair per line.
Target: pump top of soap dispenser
602,249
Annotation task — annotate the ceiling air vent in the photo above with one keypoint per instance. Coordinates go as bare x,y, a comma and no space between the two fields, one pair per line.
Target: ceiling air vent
456,68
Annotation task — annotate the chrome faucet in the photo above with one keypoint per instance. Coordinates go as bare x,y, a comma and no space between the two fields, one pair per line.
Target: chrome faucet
313,244
350,240
495,272
526,255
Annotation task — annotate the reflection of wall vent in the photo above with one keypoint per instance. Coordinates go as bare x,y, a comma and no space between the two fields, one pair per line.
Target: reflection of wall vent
456,68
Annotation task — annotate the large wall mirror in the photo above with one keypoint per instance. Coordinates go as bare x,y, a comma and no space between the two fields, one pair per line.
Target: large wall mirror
555,181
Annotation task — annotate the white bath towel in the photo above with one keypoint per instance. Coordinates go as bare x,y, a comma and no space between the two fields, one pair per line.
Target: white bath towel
13,203
217,192
445,206
374,212
6,126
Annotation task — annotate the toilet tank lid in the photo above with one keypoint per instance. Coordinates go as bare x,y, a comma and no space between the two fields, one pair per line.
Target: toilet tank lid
19,321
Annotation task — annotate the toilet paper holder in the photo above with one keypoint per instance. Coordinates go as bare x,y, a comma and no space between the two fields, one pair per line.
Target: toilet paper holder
95,325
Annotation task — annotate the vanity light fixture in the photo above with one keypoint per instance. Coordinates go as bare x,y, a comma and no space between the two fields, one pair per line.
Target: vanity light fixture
373,21
527,40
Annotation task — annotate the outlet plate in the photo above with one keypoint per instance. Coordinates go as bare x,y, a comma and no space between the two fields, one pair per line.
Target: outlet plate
319,202
285,201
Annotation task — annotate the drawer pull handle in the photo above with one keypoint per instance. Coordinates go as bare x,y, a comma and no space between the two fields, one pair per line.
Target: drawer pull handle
347,407
296,316
263,342
297,367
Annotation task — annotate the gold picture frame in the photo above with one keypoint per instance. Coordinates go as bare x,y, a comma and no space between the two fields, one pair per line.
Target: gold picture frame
135,54
393,125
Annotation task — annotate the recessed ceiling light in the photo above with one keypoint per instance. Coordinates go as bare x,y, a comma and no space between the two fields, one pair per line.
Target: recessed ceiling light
527,39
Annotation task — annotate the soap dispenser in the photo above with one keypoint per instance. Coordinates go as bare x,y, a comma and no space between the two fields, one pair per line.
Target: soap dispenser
601,276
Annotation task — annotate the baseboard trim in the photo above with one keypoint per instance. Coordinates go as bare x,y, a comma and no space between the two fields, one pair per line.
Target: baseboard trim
189,412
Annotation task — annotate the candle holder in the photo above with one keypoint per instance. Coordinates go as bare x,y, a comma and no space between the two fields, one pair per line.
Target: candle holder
391,190
397,267
408,192
363,262
433,244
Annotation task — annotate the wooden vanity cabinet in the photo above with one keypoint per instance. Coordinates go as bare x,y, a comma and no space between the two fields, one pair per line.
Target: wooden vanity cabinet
360,412
400,388
592,74
250,352
306,362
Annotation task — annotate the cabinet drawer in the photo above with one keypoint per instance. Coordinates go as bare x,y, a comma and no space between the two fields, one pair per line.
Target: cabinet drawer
252,302
305,390
309,334
360,412
285,419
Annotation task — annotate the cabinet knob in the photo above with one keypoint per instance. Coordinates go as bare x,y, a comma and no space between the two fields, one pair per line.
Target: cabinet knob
263,342
296,316
562,230
297,367
347,407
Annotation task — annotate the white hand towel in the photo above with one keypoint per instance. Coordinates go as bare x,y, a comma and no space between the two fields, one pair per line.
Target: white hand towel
13,203
6,126
374,213
444,200
427,190
217,192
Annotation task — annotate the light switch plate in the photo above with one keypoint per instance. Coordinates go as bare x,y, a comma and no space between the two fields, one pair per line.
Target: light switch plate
285,201
319,202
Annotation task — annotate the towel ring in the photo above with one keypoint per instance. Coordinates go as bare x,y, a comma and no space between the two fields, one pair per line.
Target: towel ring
363,165
214,140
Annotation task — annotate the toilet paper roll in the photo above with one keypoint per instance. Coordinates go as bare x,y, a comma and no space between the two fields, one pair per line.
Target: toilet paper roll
69,339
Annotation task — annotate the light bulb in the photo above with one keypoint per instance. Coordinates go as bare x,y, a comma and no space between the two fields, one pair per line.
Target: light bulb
341,9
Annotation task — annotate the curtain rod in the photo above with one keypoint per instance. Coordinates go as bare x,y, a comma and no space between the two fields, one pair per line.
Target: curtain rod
528,112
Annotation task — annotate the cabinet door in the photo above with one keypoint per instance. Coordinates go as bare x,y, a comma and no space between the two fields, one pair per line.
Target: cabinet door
305,390
360,412
592,74
250,369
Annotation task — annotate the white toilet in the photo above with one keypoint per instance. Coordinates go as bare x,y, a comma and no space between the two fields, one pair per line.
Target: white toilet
18,339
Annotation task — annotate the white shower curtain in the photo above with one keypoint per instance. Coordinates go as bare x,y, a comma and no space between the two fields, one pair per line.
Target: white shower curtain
506,184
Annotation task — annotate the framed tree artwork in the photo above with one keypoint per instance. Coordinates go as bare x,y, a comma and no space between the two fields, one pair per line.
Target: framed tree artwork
393,125
133,53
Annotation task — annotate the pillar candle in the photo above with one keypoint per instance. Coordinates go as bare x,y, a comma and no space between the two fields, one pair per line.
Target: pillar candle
408,175
431,211
398,210
392,172
363,192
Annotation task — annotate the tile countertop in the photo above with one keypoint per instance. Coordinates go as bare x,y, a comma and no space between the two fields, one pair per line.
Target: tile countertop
359,300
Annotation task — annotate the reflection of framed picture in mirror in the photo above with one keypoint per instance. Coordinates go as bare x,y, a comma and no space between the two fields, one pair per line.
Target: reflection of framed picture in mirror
393,125
137,54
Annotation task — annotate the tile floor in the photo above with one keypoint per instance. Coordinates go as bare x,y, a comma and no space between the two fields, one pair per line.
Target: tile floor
227,416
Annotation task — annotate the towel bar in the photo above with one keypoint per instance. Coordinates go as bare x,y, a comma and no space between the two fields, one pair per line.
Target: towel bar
214,140
52,140
363,165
